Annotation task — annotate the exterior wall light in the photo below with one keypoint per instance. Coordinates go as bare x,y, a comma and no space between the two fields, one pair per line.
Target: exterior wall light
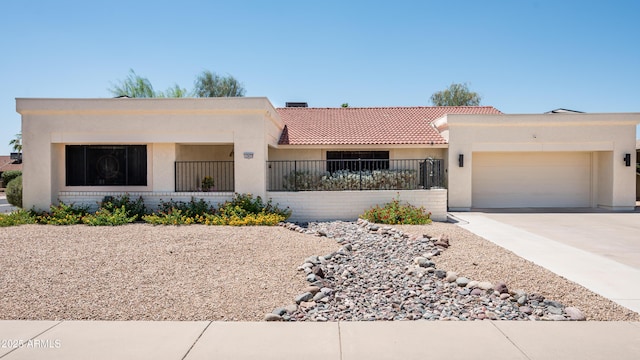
627,159
461,160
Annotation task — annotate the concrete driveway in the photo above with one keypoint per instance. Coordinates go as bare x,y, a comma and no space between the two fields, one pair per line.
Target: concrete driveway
5,207
613,235
598,250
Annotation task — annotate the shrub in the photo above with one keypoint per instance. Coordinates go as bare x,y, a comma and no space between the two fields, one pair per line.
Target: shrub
7,176
207,183
243,204
63,214
132,208
246,220
243,210
191,209
17,218
106,217
171,217
14,191
396,212
352,180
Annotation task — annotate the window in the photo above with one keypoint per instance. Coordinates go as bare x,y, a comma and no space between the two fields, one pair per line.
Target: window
106,165
357,160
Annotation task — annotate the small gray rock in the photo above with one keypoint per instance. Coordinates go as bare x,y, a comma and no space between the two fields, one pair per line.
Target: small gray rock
326,290
485,285
440,274
451,276
477,292
554,310
318,296
279,311
574,314
553,303
526,310
522,300
272,317
311,278
312,289
304,297
317,271
291,308
472,284
501,287
462,281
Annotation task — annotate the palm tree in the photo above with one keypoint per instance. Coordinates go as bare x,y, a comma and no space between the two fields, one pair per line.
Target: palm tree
16,143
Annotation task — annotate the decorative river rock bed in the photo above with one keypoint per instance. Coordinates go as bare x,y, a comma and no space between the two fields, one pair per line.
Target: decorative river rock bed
381,273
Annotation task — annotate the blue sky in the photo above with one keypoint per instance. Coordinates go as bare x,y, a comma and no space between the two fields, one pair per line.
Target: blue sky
521,56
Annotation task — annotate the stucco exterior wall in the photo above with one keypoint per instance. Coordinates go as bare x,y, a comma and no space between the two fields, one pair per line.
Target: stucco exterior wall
330,205
186,152
608,135
49,124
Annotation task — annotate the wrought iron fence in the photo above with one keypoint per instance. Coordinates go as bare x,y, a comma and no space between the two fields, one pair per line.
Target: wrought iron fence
204,176
360,174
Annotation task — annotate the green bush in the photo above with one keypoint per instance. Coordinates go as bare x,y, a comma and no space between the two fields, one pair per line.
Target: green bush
7,176
106,217
396,212
63,214
19,217
243,209
246,220
171,217
243,204
192,208
352,180
14,191
132,208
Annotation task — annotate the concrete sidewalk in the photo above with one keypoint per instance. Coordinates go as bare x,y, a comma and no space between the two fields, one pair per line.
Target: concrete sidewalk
327,341
612,279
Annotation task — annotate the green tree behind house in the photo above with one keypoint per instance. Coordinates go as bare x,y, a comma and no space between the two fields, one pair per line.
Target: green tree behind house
456,95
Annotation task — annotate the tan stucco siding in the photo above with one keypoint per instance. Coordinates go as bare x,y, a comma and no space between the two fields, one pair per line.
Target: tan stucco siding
204,152
50,124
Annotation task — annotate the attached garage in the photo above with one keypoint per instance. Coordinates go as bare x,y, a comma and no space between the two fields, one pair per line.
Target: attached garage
531,179
572,160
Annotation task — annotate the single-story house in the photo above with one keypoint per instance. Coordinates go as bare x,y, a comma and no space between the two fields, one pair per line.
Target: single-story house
638,170
324,163
9,163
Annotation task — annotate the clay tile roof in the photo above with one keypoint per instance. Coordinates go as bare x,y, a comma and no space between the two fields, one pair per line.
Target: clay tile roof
368,126
6,164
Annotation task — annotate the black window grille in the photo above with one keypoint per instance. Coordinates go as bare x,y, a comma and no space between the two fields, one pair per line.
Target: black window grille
106,165
357,160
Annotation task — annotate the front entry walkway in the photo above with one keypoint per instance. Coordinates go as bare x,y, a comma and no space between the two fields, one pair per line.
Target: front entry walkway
598,250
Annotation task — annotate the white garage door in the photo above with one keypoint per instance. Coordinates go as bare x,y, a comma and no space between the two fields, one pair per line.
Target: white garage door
531,179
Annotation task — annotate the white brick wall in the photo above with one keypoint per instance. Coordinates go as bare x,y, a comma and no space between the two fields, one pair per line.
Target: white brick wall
151,199
347,205
306,205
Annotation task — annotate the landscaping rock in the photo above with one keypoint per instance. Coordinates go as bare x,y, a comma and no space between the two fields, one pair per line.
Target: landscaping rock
272,317
574,314
303,297
387,275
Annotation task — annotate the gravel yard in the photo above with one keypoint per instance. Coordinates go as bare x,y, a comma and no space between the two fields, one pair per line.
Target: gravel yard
145,272
197,272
